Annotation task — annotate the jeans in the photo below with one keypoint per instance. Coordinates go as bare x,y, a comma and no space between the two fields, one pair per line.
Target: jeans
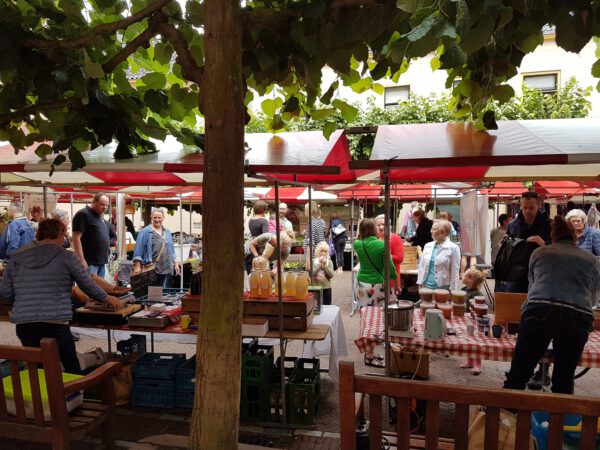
162,279
30,334
98,270
338,245
540,324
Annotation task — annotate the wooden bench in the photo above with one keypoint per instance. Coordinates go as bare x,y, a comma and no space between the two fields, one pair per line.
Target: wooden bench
63,427
353,389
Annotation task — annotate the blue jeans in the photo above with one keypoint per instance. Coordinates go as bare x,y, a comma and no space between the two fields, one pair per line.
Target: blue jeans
540,324
98,270
339,245
162,279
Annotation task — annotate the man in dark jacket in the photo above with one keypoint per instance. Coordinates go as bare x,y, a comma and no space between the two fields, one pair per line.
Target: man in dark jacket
534,226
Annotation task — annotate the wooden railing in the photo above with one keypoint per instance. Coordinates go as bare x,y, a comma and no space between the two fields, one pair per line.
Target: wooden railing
523,403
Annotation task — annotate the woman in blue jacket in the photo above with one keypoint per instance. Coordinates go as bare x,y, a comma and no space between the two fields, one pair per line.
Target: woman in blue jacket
154,244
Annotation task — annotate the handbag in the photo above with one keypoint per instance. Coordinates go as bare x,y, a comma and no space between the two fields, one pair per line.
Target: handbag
152,265
338,229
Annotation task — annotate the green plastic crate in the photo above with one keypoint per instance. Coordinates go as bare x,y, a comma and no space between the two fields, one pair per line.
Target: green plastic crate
303,398
308,365
254,401
257,366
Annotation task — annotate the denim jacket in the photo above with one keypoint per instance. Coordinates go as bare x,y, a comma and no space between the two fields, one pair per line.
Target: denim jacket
143,246
447,264
18,233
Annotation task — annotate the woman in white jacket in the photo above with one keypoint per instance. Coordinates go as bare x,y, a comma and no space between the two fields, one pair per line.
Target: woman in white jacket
439,265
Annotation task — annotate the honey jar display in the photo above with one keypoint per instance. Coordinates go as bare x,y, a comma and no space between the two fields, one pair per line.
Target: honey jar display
458,310
441,295
426,294
458,297
446,309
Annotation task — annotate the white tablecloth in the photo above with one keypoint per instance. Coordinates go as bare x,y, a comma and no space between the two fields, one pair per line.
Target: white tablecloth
334,344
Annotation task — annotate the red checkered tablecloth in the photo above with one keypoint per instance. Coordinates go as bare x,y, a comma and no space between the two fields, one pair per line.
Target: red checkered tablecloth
461,344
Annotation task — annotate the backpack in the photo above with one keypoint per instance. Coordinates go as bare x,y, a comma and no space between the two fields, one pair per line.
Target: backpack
512,261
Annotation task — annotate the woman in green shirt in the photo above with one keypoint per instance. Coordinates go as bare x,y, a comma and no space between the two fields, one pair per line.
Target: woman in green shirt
368,284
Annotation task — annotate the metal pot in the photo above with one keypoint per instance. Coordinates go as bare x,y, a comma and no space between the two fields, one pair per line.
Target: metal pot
400,316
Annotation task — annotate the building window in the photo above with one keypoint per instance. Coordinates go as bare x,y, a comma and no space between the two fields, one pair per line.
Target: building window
395,94
545,82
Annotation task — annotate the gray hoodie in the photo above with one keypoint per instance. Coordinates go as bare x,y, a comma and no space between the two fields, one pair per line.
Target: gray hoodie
38,281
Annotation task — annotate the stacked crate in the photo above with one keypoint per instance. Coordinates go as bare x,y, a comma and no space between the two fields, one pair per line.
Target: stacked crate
262,391
154,379
185,379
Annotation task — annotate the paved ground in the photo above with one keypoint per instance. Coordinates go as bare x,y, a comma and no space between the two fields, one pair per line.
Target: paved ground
141,428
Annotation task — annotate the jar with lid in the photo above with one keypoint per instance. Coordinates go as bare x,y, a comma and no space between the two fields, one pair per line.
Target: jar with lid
302,282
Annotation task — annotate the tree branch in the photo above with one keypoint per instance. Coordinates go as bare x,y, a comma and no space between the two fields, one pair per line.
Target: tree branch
22,113
142,39
189,69
101,30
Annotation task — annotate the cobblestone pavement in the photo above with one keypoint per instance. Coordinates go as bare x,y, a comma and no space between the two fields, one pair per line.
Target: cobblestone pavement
142,428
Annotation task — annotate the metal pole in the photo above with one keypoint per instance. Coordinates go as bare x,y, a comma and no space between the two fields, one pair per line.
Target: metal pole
45,194
435,203
191,205
386,265
71,206
280,303
181,241
310,246
120,205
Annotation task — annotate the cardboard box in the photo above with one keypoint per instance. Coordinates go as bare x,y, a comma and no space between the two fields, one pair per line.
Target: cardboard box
507,307
406,360
254,327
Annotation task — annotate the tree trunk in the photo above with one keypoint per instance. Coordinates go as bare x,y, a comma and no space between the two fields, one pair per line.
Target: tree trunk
215,418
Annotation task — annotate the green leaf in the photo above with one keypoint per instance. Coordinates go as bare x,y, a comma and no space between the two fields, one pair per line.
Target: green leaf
531,42
43,150
596,69
503,93
479,35
57,162
194,13
463,16
328,129
362,85
90,68
489,120
378,88
292,105
154,80
163,53
270,106
156,101
348,112
320,114
463,111
120,79
423,28
76,158
408,6
326,97
453,56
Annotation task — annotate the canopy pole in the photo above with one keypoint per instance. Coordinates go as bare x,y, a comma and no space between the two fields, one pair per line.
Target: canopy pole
386,264
71,206
191,205
310,246
181,241
45,195
434,203
120,205
280,300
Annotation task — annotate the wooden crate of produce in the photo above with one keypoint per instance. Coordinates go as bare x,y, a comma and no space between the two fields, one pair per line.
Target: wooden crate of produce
410,259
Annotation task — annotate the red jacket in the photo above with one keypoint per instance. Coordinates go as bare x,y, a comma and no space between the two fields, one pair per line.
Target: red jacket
397,253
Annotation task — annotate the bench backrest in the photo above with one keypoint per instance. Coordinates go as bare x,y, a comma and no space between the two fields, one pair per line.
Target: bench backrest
47,357
462,396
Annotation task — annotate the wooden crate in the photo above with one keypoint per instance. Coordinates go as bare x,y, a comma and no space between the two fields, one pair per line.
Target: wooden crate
410,259
190,303
507,307
270,306
301,323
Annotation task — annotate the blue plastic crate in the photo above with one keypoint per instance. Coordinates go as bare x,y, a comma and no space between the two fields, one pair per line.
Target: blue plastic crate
184,398
160,366
184,375
154,393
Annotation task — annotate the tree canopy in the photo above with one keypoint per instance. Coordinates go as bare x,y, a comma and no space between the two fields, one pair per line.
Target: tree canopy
65,63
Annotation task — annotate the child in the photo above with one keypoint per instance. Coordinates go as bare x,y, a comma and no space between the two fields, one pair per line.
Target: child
473,279
323,270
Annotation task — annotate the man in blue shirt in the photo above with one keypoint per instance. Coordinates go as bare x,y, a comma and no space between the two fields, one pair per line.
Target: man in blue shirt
18,232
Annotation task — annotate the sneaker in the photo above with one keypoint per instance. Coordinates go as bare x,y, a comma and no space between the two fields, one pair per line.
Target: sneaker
76,336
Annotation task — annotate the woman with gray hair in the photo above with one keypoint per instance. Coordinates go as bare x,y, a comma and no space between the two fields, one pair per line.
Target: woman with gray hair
439,265
587,238
63,216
